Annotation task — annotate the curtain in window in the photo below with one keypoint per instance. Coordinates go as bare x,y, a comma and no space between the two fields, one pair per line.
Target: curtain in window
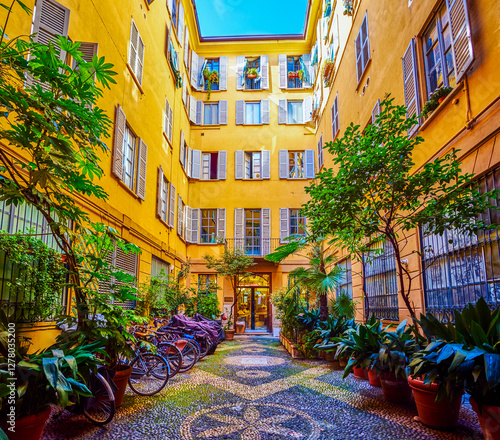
294,112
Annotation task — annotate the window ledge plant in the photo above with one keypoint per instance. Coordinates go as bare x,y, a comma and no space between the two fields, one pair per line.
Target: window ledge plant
435,99
252,73
211,77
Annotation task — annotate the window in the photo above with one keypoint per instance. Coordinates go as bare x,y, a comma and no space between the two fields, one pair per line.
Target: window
210,113
208,232
297,222
163,197
295,112
252,113
129,158
174,12
335,117
253,165
252,83
438,52
362,47
207,283
252,231
320,152
345,285
381,283
136,53
293,66
212,65
183,152
296,164
159,268
169,121
209,166
181,217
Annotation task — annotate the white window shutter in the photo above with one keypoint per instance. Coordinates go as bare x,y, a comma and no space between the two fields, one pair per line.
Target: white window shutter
120,127
266,231
283,74
186,47
180,26
184,89
133,46
199,112
335,116
170,5
179,215
170,123
221,223
194,69
264,111
284,224
239,167
159,196
239,228
88,51
222,165
307,109
195,224
266,164
192,109
196,173
189,167
410,79
308,77
202,64
283,164
461,33
223,73
171,207
264,72
310,172
282,111
140,60
223,112
240,64
240,112
142,170
375,111
182,147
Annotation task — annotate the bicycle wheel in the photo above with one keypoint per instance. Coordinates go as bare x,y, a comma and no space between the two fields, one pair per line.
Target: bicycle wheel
173,356
204,344
99,409
189,354
149,374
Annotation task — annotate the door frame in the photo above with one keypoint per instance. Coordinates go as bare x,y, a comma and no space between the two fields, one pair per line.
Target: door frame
269,287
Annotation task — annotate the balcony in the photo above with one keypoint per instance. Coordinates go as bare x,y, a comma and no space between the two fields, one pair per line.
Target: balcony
253,246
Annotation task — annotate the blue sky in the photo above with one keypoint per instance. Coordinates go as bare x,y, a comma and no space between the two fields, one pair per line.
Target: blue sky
251,17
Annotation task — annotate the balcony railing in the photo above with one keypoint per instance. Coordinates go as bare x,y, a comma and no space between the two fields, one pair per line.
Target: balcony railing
253,246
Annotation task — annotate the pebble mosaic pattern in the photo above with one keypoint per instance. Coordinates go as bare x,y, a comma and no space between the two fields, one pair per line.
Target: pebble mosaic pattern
251,389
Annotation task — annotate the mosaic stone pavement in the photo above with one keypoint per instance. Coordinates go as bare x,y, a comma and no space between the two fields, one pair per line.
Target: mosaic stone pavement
251,389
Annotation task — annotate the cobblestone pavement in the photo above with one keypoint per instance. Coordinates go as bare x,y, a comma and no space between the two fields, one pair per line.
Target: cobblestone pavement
251,389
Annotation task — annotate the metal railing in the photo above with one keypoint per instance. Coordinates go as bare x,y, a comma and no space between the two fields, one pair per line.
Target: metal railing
253,246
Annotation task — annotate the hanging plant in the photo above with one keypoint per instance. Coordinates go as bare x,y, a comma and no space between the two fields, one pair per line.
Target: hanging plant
328,70
211,77
292,75
348,7
435,98
252,73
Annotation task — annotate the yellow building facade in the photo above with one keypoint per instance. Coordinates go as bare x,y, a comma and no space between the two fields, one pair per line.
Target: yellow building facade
188,175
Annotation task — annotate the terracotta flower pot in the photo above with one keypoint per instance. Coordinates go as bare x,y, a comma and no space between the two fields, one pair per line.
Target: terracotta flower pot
395,389
373,378
343,362
440,415
251,75
30,427
360,373
230,335
440,100
489,418
122,375
336,366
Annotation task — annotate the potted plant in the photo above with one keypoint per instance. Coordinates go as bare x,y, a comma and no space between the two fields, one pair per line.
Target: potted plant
252,73
435,98
211,77
292,74
468,353
333,327
328,70
300,74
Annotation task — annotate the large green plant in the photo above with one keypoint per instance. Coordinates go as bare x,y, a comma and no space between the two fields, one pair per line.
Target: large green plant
373,194
287,304
333,327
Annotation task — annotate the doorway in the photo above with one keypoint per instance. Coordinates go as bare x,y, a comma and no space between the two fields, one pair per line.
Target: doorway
252,305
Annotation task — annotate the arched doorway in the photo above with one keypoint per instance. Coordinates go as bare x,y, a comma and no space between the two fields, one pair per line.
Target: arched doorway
252,305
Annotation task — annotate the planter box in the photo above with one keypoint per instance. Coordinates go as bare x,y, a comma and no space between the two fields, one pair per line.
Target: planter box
291,348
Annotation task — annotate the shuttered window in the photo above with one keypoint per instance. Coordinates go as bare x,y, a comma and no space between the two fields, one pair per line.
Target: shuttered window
362,47
335,117
297,222
136,53
169,121
411,84
162,196
180,216
159,268
212,65
345,285
208,226
210,113
320,152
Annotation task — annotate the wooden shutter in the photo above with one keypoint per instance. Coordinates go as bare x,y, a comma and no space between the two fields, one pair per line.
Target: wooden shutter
335,117
192,109
199,112
307,109
142,170
171,207
180,214
195,222
310,172
186,47
282,111
120,127
284,224
264,72
461,33
264,111
180,23
320,152
221,165
88,51
266,231
375,111
222,112
240,63
362,48
189,167
266,164
282,64
182,147
410,79
308,77
240,112
194,69
239,228
283,163
169,120
139,66
159,195
170,6
223,73
221,223
196,173
239,167
184,89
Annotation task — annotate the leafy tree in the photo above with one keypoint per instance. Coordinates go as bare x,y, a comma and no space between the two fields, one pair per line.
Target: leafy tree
232,265
50,118
373,193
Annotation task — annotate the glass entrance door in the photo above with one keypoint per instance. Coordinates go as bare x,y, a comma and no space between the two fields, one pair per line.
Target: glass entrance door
252,304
